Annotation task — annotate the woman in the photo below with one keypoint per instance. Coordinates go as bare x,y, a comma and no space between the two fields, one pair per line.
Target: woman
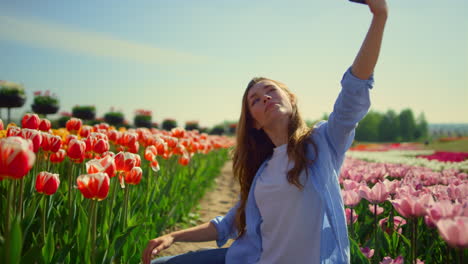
290,208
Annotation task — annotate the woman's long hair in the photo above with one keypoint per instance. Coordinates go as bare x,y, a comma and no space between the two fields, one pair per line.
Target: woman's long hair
253,146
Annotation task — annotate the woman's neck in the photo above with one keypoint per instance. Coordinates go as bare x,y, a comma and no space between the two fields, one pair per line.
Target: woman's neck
278,131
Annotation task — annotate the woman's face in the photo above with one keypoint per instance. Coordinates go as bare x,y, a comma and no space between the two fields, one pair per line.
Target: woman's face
267,103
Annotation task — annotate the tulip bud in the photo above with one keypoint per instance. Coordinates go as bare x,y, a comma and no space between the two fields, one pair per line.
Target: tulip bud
76,150
30,121
47,183
45,125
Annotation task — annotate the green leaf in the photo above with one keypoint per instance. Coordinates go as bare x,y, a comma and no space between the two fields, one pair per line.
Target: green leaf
120,241
49,247
16,243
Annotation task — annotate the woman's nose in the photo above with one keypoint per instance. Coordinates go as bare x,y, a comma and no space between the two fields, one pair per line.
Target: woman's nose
266,98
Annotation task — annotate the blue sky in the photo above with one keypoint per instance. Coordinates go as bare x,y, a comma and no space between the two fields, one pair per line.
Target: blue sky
191,60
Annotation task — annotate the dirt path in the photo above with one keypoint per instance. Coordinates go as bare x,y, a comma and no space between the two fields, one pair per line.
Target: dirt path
216,202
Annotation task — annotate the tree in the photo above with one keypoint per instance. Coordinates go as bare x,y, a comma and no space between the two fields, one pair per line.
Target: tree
407,125
368,127
422,129
389,128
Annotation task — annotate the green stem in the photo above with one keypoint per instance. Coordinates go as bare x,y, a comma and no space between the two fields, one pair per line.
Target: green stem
124,220
351,224
94,233
111,206
90,227
20,205
70,214
44,212
375,231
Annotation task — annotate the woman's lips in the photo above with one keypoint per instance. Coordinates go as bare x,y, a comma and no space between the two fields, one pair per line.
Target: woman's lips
269,105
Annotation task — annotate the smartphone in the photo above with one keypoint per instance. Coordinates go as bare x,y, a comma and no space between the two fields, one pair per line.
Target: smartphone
359,1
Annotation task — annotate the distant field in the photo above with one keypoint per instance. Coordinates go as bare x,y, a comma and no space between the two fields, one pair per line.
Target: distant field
457,146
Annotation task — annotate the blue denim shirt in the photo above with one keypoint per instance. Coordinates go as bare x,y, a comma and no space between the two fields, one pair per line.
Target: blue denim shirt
332,138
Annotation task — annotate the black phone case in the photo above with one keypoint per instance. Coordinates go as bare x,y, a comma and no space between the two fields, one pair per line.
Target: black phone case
359,1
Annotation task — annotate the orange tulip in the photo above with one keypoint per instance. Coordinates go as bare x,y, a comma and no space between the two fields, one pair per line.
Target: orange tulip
16,157
30,121
94,186
47,183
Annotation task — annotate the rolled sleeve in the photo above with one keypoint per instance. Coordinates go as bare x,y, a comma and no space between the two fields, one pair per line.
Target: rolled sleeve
225,226
350,107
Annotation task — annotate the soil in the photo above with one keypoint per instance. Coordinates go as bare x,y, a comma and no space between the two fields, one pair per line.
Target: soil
216,201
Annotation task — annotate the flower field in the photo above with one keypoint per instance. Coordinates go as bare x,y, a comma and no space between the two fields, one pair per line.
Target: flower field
95,194
405,205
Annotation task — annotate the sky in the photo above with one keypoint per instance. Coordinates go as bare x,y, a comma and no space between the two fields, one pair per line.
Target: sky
192,59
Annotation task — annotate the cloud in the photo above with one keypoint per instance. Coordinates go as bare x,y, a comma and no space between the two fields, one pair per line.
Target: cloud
39,33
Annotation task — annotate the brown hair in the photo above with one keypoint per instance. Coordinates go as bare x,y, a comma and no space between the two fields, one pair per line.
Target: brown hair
253,146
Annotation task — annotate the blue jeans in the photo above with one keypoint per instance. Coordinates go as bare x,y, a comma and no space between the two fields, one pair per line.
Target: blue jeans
208,256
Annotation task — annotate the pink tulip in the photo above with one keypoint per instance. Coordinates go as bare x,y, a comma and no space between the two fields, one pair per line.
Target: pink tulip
398,222
389,260
367,252
377,194
411,206
348,216
379,209
351,198
454,231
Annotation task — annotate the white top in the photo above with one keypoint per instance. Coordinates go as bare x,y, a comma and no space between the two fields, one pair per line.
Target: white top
291,222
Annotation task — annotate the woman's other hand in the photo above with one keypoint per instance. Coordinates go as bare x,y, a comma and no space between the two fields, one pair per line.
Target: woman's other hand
155,246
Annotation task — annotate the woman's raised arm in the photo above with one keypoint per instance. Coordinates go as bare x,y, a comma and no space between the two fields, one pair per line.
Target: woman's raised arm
364,64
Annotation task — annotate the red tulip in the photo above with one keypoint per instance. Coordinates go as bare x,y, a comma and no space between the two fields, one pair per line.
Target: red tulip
154,165
73,125
125,161
51,143
184,160
34,135
113,135
76,150
454,231
30,121
1,124
58,156
45,125
150,153
106,164
16,157
47,183
101,146
178,132
85,131
133,176
13,131
94,186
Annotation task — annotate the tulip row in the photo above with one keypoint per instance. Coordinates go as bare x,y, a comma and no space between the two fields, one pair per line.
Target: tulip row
386,146
409,158
78,194
405,212
446,156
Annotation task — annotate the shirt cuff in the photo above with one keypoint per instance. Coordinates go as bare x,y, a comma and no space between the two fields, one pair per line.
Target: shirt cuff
222,236
349,80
